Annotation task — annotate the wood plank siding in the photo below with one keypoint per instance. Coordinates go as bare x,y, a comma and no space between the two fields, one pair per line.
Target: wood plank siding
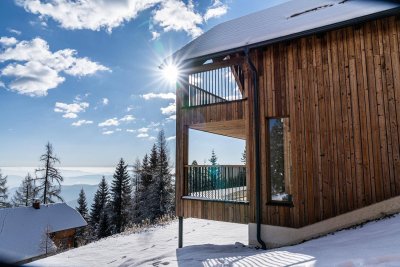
341,92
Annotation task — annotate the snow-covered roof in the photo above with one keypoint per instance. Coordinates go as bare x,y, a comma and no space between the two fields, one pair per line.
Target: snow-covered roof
22,229
291,19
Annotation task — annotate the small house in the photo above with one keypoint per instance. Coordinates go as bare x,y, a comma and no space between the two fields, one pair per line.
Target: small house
313,87
29,233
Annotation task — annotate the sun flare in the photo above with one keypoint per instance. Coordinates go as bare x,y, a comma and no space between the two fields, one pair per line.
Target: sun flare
170,73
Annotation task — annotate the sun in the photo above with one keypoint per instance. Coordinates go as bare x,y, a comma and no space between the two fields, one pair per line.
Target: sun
170,73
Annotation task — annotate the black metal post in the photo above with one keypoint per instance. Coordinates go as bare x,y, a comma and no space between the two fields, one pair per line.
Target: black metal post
180,236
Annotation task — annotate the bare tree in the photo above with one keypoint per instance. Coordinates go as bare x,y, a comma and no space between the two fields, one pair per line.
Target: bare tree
49,174
47,245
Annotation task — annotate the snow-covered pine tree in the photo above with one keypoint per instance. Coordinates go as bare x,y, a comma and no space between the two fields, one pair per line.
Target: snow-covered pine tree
137,169
152,195
99,208
25,193
3,192
162,185
104,228
143,191
82,234
48,175
82,205
120,197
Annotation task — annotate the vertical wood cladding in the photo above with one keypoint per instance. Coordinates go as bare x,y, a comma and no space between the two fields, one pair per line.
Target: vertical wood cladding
341,91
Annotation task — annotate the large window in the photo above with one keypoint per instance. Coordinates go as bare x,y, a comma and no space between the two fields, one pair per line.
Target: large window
279,160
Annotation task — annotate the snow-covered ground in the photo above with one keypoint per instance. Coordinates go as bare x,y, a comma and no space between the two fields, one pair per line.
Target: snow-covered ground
208,243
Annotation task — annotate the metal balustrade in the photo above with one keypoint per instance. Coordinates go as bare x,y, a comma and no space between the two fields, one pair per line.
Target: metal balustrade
217,182
215,86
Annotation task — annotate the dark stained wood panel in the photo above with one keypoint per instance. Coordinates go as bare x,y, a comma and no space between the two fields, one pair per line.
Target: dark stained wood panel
341,91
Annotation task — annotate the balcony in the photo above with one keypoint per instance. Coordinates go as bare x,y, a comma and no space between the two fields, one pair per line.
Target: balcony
225,183
215,85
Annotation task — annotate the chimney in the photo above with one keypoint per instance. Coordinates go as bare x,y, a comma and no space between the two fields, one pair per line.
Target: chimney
36,204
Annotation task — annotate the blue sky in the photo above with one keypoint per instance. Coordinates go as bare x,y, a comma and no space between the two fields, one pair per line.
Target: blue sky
83,75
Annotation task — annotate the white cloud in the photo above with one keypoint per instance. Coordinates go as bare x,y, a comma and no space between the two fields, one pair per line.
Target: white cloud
108,132
155,35
8,41
152,138
14,31
169,110
159,95
130,130
81,122
118,130
171,118
127,118
216,10
171,138
70,116
109,122
32,78
2,84
175,15
130,108
88,14
169,15
142,135
105,101
36,69
143,130
71,110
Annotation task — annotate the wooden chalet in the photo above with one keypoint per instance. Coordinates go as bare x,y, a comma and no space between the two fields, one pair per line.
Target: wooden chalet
313,87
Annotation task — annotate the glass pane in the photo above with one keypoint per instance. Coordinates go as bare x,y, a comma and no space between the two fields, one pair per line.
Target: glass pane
279,158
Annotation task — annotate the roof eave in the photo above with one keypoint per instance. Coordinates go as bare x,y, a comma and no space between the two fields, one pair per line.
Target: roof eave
378,15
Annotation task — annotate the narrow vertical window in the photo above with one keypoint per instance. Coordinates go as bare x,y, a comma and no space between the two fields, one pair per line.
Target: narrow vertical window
279,160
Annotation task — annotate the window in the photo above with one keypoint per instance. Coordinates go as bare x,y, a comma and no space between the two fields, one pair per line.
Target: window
279,160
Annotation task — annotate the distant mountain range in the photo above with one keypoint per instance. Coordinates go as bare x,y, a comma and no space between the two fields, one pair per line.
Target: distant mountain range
71,188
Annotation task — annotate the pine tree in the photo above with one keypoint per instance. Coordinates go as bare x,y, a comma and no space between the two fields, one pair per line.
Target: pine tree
244,157
213,159
104,228
162,185
213,172
136,180
3,192
49,175
82,234
146,180
82,205
99,208
25,193
120,197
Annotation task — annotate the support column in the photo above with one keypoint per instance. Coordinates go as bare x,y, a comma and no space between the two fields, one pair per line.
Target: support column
180,236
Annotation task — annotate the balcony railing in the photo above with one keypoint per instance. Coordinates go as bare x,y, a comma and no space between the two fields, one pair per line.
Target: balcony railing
219,182
216,86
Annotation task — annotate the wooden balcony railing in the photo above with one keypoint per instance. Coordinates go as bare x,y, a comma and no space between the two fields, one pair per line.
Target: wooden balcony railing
217,182
212,86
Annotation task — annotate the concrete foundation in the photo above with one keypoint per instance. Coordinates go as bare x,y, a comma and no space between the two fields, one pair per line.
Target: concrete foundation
276,236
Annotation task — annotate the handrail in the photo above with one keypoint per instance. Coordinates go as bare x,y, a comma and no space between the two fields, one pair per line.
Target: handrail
224,165
217,182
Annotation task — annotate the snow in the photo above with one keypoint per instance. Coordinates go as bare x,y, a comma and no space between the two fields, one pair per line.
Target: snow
22,229
209,243
282,21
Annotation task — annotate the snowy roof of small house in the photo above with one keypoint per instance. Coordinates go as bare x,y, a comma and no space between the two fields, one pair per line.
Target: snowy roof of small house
22,229
286,21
